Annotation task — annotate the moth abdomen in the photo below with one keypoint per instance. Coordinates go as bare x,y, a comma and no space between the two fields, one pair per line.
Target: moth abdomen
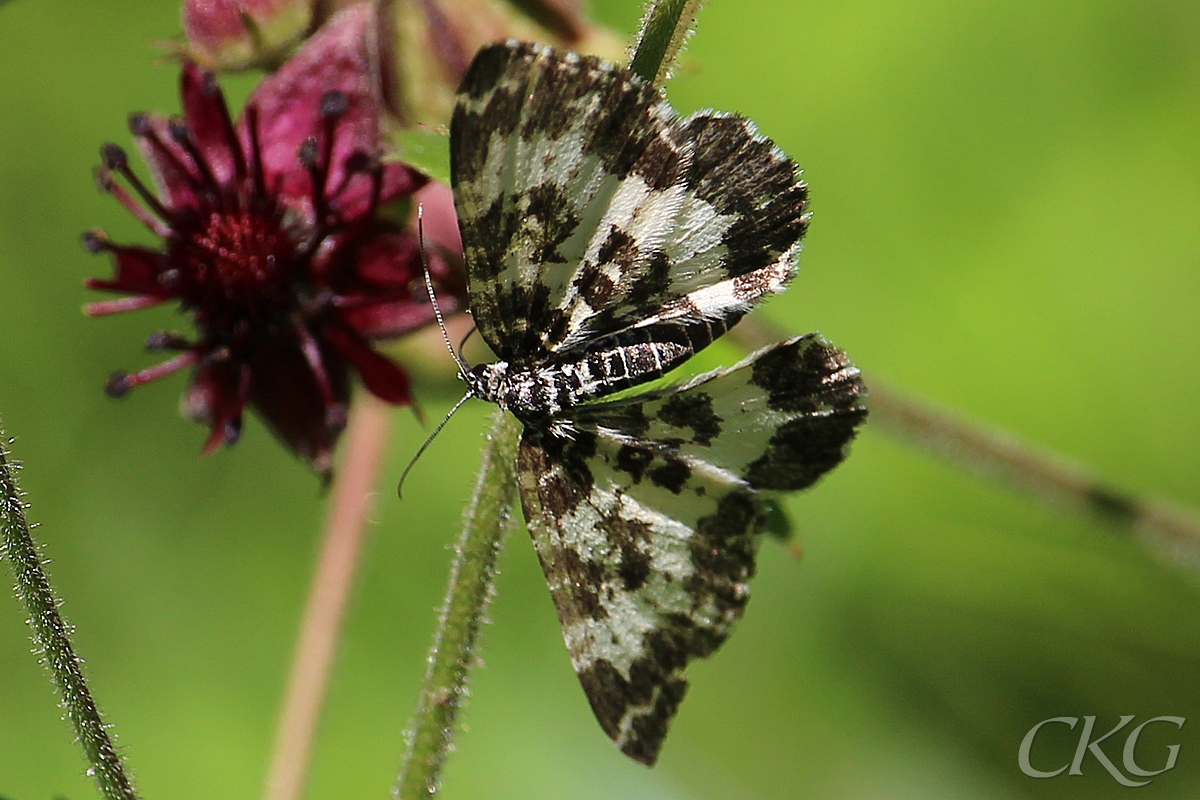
604,366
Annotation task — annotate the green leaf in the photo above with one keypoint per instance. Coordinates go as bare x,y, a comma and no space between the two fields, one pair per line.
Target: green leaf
426,148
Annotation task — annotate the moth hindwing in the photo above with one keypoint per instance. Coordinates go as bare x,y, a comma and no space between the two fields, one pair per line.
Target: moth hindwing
607,240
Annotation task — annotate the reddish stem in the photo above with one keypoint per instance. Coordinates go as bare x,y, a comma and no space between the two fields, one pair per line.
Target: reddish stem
329,595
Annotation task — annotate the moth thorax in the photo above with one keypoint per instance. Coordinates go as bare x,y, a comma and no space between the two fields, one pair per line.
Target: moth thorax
528,393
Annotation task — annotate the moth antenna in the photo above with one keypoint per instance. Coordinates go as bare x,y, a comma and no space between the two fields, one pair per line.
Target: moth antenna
428,441
463,344
463,369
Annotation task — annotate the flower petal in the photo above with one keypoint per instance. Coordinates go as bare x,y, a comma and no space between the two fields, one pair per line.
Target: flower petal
399,180
285,394
389,260
383,377
138,269
207,118
214,398
387,320
393,300
289,104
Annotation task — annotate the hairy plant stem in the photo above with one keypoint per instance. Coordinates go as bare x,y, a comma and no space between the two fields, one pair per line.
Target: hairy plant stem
52,637
665,29
1170,531
472,577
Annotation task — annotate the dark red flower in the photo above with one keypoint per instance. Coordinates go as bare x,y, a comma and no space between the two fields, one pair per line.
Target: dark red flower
272,244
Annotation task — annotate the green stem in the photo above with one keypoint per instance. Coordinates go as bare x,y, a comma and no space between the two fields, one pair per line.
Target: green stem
997,456
52,637
472,578
665,29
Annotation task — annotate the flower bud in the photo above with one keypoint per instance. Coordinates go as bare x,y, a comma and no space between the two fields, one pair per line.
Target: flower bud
232,35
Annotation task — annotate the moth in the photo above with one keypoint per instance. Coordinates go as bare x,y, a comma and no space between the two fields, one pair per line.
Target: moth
607,240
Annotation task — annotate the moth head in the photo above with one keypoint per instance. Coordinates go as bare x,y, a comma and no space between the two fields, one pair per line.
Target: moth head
486,380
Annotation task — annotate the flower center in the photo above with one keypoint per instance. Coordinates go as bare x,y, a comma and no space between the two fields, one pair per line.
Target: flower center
240,258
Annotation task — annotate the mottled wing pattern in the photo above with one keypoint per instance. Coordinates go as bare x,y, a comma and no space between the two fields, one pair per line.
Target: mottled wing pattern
541,143
734,240
645,513
587,206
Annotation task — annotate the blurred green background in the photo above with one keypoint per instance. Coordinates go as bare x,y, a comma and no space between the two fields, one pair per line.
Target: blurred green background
1006,198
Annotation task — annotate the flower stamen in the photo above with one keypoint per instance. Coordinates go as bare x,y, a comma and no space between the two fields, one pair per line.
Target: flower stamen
357,163
167,340
182,137
115,160
335,411
309,159
119,383
255,156
104,179
316,155
102,308
141,127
